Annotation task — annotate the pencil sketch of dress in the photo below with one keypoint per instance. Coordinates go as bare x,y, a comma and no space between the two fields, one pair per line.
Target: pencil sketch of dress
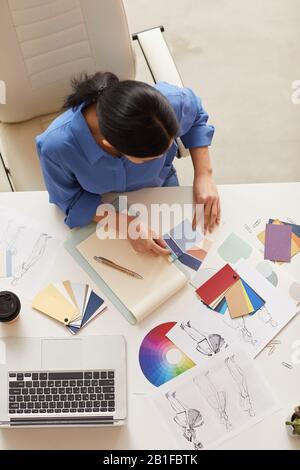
240,325
266,317
36,254
207,344
240,379
10,236
217,399
189,419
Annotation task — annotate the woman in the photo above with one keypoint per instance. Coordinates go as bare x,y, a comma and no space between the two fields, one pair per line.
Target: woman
118,136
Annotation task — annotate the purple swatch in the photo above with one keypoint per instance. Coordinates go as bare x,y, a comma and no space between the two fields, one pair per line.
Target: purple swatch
278,242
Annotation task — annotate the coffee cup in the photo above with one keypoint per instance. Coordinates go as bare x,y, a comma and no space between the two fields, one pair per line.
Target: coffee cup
10,307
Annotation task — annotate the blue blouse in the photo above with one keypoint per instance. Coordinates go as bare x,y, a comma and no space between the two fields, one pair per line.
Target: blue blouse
77,171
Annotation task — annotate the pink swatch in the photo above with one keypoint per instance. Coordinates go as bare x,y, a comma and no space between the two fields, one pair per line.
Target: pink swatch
278,239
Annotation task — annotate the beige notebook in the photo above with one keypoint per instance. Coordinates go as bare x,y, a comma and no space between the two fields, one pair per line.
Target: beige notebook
161,278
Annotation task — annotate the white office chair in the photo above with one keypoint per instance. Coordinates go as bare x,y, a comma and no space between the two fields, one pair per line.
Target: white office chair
43,43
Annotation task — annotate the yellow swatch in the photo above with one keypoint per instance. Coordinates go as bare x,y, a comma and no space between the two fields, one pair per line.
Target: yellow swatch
52,303
249,304
67,286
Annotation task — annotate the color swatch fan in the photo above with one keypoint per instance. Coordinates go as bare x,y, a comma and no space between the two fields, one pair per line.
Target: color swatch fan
73,304
227,290
160,359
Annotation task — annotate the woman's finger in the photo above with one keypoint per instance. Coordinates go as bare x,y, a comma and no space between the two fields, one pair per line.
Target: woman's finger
219,212
198,213
194,223
159,241
159,250
213,215
207,211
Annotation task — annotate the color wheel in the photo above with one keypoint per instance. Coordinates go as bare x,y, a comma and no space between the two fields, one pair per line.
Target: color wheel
160,359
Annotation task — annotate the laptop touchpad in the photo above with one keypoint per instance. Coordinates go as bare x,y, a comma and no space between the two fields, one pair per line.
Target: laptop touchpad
62,354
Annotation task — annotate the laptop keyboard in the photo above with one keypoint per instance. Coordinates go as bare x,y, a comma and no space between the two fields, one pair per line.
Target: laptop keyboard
61,392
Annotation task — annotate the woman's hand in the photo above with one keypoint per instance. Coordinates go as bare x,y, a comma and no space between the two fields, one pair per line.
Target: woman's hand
205,192
147,241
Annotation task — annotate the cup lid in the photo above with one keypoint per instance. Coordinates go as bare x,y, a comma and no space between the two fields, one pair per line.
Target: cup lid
9,306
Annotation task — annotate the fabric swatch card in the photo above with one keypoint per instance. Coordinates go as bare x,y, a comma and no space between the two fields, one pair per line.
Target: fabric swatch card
295,228
68,287
52,303
60,288
255,301
187,245
81,294
227,290
217,284
295,242
72,304
236,300
95,303
78,321
184,235
92,305
278,242
242,299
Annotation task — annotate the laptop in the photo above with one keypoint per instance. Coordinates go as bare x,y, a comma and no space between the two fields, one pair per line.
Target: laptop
52,382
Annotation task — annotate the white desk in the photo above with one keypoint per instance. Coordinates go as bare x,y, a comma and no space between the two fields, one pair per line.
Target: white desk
143,430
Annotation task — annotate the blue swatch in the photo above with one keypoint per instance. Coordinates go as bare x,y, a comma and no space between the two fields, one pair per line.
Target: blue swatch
254,298
173,246
93,305
190,261
222,306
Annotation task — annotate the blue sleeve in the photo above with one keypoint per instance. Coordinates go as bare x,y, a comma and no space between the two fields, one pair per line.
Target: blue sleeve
79,205
194,130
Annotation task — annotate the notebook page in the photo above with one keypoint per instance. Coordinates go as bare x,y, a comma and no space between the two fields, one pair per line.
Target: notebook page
161,279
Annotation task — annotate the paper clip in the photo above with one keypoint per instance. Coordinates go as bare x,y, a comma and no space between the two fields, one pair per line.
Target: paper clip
287,365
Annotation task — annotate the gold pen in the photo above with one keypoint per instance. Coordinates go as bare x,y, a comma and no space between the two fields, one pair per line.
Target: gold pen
110,263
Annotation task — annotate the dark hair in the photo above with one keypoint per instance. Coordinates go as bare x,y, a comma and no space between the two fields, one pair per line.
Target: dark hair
133,116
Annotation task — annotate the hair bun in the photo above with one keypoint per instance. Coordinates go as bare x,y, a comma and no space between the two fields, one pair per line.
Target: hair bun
100,90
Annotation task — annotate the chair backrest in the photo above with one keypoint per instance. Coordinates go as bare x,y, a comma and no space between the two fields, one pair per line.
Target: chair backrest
43,43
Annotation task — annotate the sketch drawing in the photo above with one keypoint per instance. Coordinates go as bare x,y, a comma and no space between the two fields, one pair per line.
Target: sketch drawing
207,344
239,377
10,236
189,419
240,325
35,255
265,316
217,399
